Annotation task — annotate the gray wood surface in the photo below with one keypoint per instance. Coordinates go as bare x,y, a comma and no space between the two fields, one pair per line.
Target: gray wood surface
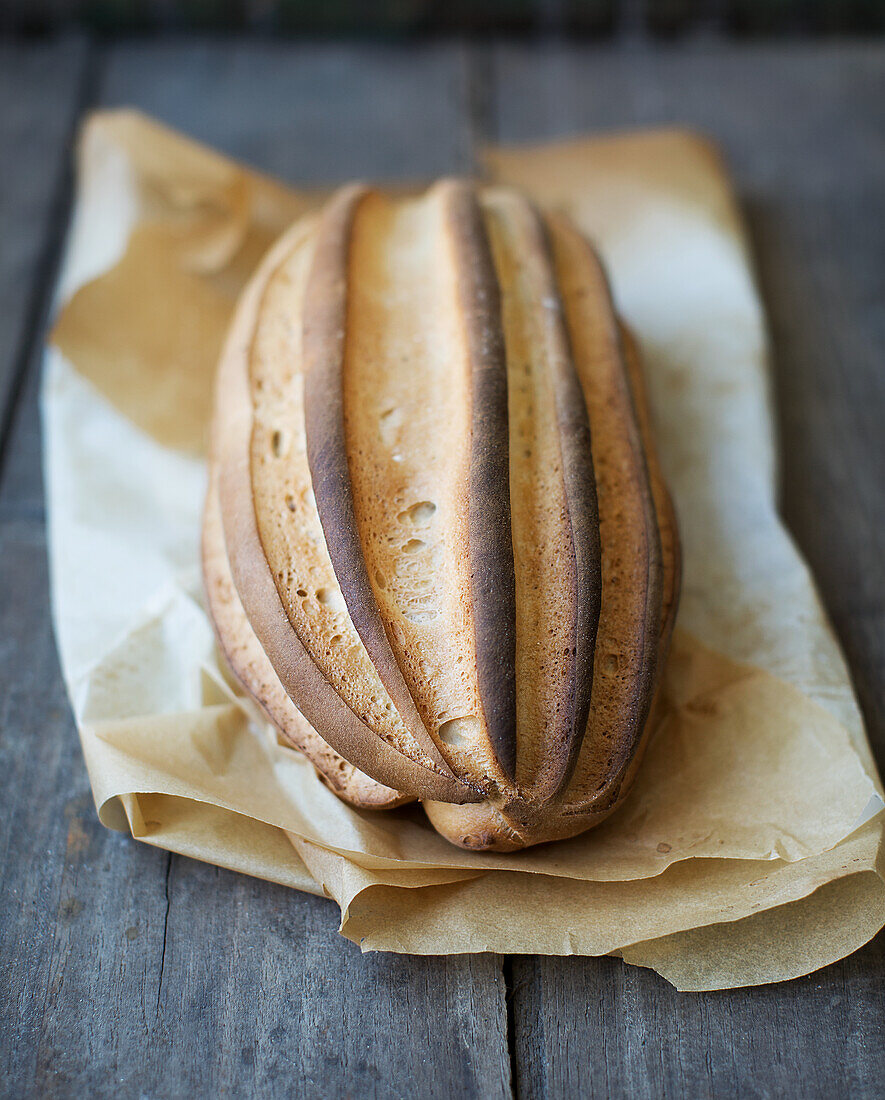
126,971
40,91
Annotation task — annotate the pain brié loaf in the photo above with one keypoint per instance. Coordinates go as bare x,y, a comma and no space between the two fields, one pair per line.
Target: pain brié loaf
438,548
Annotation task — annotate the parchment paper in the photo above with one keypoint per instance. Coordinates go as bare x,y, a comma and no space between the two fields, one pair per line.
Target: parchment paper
748,849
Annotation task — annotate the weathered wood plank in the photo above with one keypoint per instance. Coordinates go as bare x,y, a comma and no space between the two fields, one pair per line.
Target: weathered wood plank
39,93
802,129
596,1028
307,113
148,974
61,870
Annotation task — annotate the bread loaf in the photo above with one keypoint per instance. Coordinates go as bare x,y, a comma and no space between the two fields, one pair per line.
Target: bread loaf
438,549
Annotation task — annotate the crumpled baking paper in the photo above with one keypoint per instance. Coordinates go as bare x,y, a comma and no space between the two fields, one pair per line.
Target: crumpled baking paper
747,851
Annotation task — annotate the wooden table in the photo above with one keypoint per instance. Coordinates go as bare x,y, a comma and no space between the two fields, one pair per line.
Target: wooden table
128,972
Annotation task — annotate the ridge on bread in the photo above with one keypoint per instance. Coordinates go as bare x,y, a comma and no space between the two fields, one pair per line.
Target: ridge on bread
438,548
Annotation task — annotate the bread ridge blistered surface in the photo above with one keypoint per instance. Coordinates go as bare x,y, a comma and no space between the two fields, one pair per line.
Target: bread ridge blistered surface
243,654
442,512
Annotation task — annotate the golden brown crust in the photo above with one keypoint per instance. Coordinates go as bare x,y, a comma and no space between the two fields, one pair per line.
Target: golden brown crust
443,513
324,329
303,681
407,426
245,657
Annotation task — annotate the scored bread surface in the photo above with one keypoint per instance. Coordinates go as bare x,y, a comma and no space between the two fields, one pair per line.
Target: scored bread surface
441,513
244,654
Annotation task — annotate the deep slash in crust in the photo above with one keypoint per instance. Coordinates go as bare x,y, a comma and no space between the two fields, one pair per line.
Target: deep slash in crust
648,629
490,544
579,483
324,336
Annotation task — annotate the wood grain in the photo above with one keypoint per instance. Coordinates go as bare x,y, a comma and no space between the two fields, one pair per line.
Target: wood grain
802,131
